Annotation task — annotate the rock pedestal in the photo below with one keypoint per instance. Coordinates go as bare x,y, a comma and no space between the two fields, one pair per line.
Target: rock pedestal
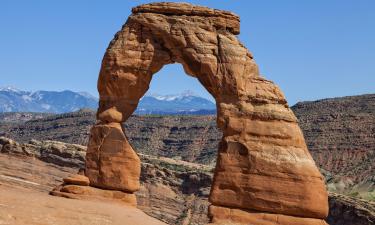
77,187
264,173
111,162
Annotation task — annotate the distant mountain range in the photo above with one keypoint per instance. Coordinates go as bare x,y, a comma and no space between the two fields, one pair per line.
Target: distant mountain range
15,100
184,103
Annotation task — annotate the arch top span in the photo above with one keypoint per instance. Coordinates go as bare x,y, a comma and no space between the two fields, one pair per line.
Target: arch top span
220,18
203,40
264,173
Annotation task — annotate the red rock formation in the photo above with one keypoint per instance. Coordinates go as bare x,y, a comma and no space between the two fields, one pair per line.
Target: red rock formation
264,172
111,162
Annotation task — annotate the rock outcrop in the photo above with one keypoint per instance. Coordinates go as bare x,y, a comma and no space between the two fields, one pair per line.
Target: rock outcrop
345,210
264,169
55,152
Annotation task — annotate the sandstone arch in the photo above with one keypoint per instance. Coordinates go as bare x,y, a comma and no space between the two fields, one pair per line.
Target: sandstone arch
264,172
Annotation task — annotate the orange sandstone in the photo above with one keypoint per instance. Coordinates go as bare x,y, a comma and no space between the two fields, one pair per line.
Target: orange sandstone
264,172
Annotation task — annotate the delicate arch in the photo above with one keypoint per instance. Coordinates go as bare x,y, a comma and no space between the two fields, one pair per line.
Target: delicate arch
263,167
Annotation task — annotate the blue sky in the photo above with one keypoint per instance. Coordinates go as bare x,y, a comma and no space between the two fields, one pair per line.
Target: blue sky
311,49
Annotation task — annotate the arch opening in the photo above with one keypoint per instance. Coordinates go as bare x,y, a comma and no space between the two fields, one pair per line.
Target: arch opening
173,92
171,124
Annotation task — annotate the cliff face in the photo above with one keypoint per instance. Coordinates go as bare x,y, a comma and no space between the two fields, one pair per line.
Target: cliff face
340,134
190,138
68,127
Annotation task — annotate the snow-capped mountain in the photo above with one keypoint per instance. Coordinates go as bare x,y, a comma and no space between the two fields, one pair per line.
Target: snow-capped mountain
15,100
184,103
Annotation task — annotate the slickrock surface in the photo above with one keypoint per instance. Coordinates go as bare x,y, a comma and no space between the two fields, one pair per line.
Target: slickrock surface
92,193
19,206
263,162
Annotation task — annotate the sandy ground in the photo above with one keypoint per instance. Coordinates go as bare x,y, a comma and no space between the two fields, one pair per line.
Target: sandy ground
24,200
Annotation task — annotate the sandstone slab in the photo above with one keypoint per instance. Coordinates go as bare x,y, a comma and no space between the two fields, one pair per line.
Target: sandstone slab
77,180
91,193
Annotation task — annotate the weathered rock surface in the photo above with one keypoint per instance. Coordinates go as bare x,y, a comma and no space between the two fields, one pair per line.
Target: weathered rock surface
91,193
263,162
77,180
50,151
110,160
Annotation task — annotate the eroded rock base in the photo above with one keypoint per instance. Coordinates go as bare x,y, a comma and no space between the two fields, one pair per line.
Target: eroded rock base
222,215
111,162
80,190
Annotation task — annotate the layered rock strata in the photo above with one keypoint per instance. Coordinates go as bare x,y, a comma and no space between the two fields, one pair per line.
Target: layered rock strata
263,170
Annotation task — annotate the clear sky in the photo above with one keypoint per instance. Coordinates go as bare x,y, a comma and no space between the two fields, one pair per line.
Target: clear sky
311,49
